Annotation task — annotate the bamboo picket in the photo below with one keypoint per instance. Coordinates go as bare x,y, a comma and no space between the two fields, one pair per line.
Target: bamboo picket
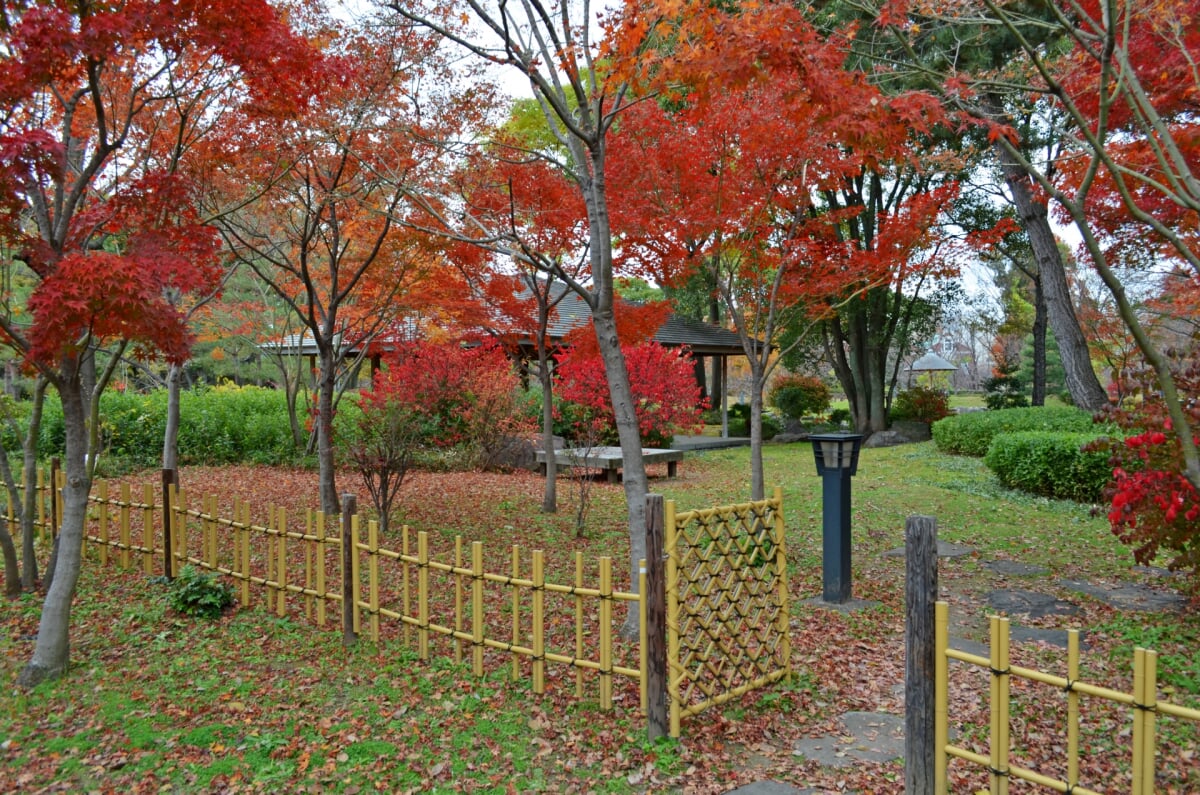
1143,702
727,604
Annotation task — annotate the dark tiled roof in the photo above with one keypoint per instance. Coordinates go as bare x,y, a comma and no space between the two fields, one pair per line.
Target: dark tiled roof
702,338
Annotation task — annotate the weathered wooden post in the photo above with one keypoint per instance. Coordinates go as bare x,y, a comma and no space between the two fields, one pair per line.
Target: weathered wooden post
920,598
656,620
168,480
349,508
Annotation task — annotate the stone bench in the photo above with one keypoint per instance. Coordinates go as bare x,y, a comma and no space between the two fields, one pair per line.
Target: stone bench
609,459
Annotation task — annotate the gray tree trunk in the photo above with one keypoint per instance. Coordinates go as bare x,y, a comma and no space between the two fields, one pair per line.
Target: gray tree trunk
51,653
326,466
550,495
12,568
757,478
633,466
170,455
29,569
1082,383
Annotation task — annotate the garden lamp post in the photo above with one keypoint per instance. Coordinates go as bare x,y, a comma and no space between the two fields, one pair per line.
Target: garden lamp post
836,455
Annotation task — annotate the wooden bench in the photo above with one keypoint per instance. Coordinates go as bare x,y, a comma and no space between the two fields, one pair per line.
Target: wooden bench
609,459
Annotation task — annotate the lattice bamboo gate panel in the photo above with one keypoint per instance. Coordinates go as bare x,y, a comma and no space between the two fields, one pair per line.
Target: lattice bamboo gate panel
727,604
1143,702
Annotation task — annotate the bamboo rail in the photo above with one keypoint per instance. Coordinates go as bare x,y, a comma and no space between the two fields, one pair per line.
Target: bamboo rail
1143,702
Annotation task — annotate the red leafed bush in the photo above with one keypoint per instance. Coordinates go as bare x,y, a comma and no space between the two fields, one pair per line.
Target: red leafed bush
1152,506
665,392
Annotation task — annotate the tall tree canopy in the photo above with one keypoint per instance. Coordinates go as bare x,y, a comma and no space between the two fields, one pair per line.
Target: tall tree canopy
107,230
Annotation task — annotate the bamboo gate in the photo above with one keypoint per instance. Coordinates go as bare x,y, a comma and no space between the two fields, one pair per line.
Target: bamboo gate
725,598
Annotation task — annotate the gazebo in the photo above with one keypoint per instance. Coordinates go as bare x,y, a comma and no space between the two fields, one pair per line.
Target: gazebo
931,363
704,341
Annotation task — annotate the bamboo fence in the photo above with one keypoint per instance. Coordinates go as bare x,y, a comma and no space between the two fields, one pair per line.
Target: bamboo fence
1143,701
726,575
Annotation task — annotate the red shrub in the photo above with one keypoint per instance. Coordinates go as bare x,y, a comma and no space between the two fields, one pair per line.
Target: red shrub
665,391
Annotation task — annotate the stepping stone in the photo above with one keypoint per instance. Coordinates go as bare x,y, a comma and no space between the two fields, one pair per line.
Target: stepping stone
1141,598
944,550
970,646
1159,571
1053,637
849,606
770,788
1011,568
868,737
1030,603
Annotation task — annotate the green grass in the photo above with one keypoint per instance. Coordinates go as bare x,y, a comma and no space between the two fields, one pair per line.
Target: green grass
264,704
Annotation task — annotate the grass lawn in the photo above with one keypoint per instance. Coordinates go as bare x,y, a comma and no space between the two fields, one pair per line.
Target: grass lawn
258,703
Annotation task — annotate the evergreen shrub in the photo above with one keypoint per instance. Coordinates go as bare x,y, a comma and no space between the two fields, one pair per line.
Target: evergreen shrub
799,396
972,433
1050,464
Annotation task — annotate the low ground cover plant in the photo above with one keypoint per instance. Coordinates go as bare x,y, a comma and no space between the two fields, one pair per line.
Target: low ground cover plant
199,594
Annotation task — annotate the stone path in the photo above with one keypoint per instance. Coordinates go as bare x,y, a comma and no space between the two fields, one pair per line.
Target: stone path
866,737
879,737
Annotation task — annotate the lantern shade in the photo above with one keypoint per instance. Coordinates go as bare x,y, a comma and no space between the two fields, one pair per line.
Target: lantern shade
836,452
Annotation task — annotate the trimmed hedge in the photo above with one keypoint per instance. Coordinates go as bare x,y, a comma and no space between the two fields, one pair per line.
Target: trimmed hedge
221,425
972,433
1050,463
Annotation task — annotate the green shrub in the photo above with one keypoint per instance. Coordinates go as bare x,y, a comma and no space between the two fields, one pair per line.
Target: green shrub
921,403
838,416
221,425
1050,463
799,396
972,433
198,593
1004,392
739,422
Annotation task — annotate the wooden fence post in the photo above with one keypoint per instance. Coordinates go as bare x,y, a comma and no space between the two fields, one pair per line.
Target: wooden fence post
168,479
349,508
920,596
656,620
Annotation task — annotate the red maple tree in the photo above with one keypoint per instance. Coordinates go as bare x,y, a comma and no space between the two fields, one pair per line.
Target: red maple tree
98,209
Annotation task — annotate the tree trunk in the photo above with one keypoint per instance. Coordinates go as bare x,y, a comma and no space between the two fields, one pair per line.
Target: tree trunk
757,485
51,652
170,456
29,570
550,495
1039,343
716,393
325,460
633,467
12,568
1082,383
